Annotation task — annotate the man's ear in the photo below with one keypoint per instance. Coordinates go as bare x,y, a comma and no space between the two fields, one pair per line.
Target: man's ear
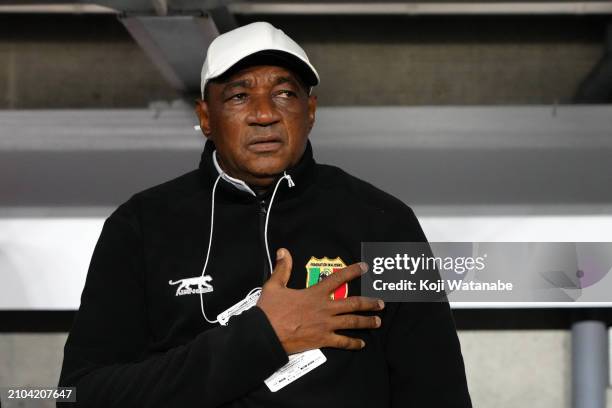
201,110
312,107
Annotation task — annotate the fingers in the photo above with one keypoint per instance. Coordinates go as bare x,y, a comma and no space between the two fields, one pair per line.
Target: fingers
347,274
344,342
355,322
282,269
356,304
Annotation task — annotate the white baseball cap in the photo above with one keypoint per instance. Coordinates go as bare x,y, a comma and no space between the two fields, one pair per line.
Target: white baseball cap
255,39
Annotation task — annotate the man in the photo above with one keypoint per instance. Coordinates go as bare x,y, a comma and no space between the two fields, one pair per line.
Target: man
157,326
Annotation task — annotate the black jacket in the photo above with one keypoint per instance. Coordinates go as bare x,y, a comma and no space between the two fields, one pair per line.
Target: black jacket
137,342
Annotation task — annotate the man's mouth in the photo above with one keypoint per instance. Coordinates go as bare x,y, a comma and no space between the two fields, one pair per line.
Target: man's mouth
265,144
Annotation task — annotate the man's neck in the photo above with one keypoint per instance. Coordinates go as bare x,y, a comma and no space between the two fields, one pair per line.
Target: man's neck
260,190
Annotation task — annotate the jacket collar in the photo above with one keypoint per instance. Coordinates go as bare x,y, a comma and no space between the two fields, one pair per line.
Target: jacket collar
239,184
303,175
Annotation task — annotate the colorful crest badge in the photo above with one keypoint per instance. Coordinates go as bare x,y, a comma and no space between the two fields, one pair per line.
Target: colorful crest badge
319,269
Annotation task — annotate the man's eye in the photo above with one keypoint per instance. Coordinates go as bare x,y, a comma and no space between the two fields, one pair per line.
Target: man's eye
238,96
287,93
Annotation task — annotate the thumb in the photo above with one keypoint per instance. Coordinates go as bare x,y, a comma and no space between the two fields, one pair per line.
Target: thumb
282,269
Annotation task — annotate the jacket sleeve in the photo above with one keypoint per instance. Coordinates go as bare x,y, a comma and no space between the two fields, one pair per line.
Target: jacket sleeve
423,352
106,358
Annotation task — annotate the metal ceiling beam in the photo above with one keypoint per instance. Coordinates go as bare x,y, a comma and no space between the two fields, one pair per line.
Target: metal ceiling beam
429,156
176,44
422,8
162,7
59,8
174,34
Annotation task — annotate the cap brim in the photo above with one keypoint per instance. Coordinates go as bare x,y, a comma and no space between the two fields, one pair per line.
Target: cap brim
273,57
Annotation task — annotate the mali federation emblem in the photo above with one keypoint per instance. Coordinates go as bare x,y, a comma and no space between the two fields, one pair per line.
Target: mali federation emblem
319,269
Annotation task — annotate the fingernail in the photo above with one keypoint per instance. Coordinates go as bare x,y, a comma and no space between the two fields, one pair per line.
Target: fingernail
378,321
362,343
363,266
280,254
381,304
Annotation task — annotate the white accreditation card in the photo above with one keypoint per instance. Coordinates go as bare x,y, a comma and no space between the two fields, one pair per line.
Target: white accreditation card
245,304
299,364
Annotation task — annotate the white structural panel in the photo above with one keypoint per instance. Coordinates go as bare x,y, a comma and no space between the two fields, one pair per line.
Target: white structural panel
44,261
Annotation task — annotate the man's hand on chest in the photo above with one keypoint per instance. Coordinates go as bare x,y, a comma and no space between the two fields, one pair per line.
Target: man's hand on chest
305,319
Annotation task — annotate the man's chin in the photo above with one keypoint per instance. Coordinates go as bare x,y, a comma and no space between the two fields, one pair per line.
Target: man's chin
268,167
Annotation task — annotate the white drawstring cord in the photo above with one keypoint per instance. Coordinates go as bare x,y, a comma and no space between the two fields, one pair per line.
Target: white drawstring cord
212,220
291,184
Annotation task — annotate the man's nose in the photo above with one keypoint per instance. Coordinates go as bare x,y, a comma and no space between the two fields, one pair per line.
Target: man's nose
263,111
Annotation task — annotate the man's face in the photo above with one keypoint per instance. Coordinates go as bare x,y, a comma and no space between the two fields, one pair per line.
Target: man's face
259,119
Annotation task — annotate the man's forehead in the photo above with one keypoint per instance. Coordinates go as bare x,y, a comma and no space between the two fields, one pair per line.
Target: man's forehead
268,73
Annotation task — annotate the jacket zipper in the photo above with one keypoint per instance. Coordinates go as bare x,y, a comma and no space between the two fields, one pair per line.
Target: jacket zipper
262,240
